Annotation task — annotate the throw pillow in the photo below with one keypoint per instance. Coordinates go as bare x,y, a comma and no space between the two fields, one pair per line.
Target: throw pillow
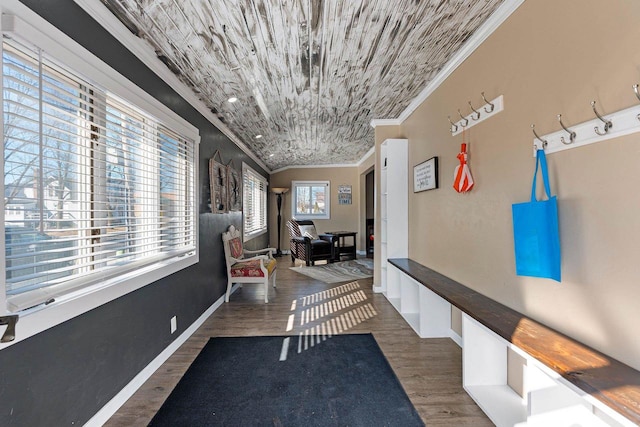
309,231
235,245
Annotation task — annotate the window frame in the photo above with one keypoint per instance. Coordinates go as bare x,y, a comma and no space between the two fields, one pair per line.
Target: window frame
19,21
294,199
248,170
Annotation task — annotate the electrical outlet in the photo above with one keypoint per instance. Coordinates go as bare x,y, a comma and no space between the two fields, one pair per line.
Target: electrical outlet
174,324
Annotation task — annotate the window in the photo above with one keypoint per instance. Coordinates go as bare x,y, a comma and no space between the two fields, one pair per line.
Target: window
254,203
94,187
311,200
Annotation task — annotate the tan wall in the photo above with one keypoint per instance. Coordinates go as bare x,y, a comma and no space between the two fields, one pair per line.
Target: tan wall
549,57
343,217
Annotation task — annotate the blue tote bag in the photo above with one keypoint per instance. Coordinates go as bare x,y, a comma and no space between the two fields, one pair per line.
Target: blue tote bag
535,231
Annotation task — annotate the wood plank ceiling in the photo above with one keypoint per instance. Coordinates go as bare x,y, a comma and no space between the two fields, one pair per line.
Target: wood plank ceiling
309,75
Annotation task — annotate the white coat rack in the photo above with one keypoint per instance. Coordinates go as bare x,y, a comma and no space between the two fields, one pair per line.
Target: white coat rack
489,109
601,128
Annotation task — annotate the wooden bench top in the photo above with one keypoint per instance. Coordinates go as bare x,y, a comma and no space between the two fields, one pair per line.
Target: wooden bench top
612,382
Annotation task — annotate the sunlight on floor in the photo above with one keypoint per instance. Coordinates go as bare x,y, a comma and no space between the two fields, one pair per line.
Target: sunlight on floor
327,313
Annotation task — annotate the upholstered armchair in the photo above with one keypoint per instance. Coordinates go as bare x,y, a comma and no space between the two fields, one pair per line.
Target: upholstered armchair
258,267
307,244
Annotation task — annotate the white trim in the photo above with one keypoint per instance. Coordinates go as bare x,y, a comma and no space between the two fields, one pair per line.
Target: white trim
387,122
455,337
479,36
369,153
341,165
144,53
107,411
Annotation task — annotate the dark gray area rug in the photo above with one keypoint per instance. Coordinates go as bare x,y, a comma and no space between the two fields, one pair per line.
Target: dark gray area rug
343,380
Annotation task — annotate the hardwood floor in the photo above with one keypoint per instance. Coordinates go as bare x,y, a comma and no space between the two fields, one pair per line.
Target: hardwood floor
430,370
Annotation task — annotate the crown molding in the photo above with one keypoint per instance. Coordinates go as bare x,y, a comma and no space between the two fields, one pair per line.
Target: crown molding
479,36
144,53
337,165
366,156
385,122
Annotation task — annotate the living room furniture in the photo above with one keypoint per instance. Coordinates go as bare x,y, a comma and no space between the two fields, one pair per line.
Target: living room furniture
258,267
306,244
279,192
343,248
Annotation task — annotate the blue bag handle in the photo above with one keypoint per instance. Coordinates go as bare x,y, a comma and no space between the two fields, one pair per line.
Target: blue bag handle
541,159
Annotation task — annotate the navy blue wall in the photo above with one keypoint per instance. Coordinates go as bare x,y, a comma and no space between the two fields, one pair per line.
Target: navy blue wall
64,375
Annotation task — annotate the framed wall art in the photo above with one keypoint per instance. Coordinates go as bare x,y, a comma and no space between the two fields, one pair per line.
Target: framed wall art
425,175
344,194
218,181
234,188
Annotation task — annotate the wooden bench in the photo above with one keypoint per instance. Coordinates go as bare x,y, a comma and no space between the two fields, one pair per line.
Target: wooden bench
594,377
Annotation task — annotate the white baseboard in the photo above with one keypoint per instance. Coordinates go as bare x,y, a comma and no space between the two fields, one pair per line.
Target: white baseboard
107,411
361,252
455,337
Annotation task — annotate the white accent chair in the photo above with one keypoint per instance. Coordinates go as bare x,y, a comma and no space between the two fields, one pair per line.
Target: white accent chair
241,268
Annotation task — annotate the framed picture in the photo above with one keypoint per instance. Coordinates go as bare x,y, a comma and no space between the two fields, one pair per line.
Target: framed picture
344,194
218,181
425,175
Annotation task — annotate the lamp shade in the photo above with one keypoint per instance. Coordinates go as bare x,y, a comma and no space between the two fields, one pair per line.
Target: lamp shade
279,190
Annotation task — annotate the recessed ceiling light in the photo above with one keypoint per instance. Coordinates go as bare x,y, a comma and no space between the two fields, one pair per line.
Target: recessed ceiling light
258,136
271,155
232,99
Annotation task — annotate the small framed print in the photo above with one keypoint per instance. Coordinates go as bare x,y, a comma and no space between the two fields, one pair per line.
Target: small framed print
344,194
425,175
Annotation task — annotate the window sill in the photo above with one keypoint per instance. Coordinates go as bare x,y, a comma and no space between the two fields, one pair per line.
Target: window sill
247,237
42,317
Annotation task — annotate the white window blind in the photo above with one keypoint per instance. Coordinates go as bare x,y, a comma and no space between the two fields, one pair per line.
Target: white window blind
94,186
254,202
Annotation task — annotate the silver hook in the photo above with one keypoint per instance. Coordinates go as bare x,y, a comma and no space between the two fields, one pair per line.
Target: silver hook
572,134
635,89
455,126
544,141
466,121
475,111
608,124
485,100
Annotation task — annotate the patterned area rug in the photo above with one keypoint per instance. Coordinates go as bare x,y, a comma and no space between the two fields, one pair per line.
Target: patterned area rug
338,271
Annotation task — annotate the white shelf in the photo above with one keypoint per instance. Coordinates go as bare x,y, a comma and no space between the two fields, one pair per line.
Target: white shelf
413,319
574,416
502,405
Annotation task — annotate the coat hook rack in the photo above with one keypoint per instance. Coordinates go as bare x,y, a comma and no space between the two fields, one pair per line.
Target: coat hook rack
454,127
465,120
626,121
488,103
572,134
477,115
608,124
543,141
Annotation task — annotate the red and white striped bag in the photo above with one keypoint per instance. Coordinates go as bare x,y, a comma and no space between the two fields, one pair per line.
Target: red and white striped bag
462,179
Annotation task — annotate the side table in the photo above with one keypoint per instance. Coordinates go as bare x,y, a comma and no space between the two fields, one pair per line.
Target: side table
343,249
